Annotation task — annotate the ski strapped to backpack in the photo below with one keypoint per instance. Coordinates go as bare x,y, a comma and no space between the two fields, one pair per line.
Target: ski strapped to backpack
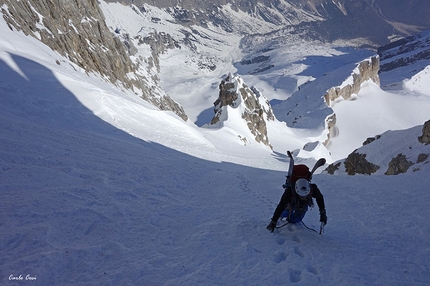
296,172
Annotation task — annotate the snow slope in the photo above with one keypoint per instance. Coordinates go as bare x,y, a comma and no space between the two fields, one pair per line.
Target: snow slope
97,188
314,66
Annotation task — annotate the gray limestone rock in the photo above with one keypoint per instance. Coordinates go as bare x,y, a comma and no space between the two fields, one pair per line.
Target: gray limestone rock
76,29
425,138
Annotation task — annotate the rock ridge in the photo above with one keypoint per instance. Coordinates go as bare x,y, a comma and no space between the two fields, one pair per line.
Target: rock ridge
76,29
255,108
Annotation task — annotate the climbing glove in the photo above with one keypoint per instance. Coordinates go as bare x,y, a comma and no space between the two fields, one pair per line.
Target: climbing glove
323,216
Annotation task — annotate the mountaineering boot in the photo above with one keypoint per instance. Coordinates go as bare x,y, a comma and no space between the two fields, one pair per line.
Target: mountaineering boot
271,226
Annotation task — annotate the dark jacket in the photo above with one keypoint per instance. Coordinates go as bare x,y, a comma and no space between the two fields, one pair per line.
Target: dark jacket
289,198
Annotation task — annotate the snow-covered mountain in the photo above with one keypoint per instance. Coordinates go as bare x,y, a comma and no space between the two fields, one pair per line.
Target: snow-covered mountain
367,22
407,150
100,187
286,72
77,31
404,72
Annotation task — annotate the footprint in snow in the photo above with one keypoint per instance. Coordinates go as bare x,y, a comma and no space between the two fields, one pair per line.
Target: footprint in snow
280,240
280,256
299,252
295,275
297,238
312,269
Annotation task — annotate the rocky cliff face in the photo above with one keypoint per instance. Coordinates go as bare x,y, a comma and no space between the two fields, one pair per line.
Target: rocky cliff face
318,95
255,108
76,30
366,70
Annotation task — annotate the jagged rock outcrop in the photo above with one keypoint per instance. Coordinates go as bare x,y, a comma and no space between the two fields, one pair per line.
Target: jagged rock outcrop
255,108
422,157
264,104
398,165
425,138
330,123
367,69
371,139
332,168
76,29
415,153
356,163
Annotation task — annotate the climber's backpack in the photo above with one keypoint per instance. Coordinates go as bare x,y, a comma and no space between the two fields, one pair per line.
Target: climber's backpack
300,171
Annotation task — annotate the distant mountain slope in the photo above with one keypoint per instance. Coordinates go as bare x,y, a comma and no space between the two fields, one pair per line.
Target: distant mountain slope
405,52
376,21
411,12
